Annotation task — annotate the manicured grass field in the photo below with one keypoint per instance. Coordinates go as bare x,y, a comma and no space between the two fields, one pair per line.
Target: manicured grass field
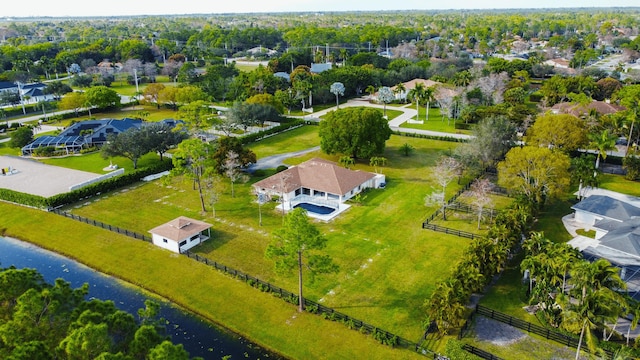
94,162
293,140
389,264
435,123
265,319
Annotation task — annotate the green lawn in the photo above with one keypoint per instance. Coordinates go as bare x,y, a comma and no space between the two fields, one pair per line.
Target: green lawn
263,318
435,123
620,184
386,274
94,162
293,140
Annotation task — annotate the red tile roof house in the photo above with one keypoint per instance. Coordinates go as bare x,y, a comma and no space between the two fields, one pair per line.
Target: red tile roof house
318,182
180,234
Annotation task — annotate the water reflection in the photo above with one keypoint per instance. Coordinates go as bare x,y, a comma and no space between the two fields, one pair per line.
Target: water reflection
198,337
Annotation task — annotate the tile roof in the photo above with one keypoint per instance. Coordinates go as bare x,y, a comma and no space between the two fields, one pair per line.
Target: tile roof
412,84
317,174
180,228
578,110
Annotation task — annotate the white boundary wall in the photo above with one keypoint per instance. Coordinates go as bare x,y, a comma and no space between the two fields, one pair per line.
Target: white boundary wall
98,179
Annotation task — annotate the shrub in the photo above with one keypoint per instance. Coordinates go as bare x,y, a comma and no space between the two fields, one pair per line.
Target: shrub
107,185
536,96
281,168
44,151
454,350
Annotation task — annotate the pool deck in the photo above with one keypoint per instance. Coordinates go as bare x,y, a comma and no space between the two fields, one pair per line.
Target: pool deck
341,208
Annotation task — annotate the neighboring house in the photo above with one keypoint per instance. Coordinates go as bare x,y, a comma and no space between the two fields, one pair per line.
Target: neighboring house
386,53
580,111
601,209
109,67
621,247
319,182
86,134
259,50
410,85
31,93
557,63
318,68
616,220
283,75
180,234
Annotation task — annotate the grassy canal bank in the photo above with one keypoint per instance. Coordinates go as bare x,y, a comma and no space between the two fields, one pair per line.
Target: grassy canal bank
267,320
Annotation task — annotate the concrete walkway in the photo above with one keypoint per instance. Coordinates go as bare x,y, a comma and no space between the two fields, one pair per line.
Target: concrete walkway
408,113
272,162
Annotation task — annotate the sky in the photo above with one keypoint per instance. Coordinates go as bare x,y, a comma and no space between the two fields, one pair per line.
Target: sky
168,7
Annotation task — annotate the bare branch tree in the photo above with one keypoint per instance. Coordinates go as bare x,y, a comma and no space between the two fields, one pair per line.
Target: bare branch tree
232,170
445,171
480,191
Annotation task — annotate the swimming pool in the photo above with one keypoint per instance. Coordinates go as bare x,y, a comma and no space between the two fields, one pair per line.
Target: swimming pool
317,209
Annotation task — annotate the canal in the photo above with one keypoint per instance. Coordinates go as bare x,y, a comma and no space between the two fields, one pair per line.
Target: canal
199,337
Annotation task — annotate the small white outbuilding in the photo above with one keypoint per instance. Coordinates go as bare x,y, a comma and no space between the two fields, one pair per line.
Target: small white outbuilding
180,234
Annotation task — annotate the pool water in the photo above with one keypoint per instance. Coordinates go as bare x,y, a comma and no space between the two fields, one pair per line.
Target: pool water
317,209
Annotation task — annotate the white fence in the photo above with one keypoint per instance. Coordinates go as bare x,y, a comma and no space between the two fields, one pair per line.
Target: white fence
97,179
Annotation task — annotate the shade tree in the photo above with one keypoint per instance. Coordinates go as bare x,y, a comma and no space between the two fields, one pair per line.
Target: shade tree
563,132
537,173
385,96
193,159
337,89
297,246
357,131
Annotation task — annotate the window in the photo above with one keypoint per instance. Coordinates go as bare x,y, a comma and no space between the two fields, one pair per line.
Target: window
183,243
165,241
194,237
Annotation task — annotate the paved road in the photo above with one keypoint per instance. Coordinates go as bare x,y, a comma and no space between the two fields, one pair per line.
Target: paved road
408,113
272,162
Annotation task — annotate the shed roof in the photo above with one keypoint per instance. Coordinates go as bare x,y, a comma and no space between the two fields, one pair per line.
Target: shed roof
180,228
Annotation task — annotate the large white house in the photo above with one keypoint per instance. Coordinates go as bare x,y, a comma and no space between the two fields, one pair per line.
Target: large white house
180,234
318,182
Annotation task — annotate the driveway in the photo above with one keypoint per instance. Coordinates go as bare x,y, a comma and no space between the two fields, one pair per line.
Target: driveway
408,113
272,162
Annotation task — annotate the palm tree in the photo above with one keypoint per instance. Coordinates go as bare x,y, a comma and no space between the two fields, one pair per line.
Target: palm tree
445,305
595,286
602,142
428,97
401,89
370,90
417,94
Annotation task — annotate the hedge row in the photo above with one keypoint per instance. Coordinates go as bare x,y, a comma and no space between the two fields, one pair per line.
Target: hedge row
107,185
23,198
432,137
87,191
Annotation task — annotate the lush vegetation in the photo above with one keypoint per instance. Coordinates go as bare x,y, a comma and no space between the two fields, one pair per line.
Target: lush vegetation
54,321
185,67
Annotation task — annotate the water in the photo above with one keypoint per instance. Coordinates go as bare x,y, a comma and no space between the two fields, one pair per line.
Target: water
318,209
198,337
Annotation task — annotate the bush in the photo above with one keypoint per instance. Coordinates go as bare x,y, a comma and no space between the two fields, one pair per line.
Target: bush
454,350
107,185
281,168
247,139
536,96
23,198
44,151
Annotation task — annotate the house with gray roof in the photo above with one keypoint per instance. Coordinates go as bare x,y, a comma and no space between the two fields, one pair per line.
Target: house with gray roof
597,208
616,220
86,134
